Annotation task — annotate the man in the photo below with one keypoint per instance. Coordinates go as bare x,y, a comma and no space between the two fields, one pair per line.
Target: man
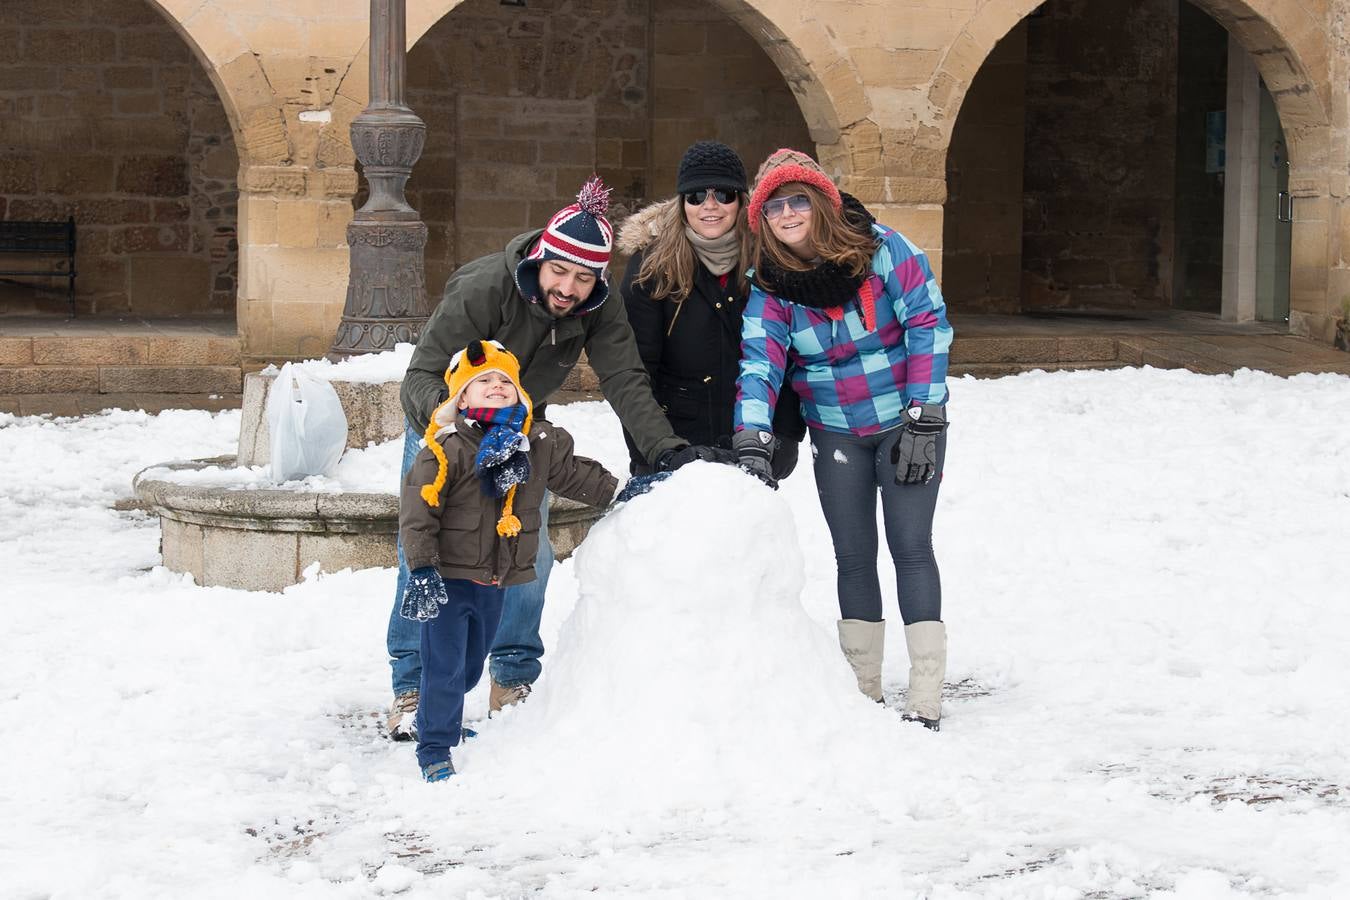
543,298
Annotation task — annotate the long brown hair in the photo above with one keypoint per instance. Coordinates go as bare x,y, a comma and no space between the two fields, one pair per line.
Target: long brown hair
669,263
833,237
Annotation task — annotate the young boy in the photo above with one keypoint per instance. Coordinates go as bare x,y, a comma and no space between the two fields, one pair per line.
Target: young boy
469,523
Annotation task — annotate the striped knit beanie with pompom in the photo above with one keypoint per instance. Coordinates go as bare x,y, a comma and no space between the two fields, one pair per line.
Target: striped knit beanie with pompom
577,233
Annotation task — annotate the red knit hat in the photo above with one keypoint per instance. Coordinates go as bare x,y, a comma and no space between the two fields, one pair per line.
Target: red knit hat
784,167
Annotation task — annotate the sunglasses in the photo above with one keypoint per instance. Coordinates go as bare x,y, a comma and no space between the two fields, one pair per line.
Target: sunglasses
800,203
724,197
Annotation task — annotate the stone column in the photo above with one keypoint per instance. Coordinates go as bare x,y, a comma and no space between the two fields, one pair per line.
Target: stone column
386,290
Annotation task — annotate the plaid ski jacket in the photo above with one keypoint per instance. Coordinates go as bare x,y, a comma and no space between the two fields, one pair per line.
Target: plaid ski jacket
851,379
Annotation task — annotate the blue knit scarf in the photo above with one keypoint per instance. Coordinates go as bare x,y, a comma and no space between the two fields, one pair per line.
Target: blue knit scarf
501,462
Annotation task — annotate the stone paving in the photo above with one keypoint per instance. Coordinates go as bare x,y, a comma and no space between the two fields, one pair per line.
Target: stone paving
991,346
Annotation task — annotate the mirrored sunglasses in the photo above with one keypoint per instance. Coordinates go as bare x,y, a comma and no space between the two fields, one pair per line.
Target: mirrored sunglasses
698,198
800,203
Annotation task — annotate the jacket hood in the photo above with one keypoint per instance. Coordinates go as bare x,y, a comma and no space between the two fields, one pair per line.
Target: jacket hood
642,227
517,247
855,214
525,273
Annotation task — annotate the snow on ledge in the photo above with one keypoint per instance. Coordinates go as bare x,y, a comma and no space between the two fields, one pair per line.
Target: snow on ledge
373,470
369,368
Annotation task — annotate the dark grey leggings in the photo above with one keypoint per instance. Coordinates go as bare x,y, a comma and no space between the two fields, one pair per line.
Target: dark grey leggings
849,470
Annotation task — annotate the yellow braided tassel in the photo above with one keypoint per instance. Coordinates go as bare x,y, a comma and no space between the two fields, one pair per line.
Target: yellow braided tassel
509,524
431,493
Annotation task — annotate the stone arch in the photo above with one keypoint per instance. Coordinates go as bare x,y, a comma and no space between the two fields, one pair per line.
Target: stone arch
257,122
613,79
1289,45
1289,48
120,125
803,53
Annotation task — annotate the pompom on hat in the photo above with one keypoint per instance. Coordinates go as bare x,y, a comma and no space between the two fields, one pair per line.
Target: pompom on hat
475,360
578,233
785,167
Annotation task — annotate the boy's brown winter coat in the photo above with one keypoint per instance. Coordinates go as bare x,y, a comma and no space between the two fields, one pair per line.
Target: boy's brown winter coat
460,536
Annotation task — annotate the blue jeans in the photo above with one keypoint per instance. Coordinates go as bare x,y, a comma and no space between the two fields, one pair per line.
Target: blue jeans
453,646
850,472
517,646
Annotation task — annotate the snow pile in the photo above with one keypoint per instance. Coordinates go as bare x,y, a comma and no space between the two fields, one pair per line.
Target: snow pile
372,470
689,671
368,368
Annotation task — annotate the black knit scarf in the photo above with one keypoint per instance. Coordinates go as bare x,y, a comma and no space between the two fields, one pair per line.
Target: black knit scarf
826,285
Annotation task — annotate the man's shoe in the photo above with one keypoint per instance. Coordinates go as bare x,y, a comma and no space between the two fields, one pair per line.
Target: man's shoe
440,771
506,695
402,721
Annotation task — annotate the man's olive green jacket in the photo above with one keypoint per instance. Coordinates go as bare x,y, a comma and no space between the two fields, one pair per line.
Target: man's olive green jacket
482,301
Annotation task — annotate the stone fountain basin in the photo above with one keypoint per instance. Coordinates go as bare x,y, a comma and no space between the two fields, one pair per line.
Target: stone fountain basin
263,539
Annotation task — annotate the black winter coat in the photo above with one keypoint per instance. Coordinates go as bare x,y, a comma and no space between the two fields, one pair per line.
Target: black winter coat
692,351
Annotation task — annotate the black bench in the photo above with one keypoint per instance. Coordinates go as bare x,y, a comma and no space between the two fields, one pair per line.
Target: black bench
43,239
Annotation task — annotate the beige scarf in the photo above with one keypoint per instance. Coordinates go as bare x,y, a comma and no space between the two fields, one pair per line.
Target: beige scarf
719,255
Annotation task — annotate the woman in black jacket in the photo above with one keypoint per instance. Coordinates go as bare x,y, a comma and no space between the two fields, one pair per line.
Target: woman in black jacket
684,292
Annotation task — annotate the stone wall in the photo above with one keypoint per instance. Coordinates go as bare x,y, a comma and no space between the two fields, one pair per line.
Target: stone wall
523,104
1100,155
712,80
982,228
108,117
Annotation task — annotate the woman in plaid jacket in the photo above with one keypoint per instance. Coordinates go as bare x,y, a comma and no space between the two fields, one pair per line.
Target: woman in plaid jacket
851,312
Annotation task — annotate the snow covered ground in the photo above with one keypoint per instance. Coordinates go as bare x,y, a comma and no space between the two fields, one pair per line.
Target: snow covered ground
1145,584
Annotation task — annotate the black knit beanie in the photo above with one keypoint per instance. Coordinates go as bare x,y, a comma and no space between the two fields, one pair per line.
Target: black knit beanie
711,164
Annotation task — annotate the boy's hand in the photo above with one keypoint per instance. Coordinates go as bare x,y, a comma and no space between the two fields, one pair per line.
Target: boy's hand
638,485
915,454
424,596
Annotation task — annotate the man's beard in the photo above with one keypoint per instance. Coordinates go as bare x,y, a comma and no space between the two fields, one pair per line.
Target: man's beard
572,303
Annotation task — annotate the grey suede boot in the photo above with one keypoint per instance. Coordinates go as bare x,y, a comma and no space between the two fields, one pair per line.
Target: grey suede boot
927,643
863,643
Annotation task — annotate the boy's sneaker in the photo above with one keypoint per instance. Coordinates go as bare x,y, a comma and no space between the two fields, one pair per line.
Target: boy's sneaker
402,721
440,771
506,695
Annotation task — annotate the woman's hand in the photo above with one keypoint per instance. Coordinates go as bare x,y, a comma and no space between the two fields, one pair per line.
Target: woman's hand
754,454
915,454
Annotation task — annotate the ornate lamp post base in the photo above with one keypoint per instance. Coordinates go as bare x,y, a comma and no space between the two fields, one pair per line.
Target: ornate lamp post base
386,290
386,293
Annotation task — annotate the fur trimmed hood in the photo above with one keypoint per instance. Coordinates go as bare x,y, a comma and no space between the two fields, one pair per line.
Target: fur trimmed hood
642,227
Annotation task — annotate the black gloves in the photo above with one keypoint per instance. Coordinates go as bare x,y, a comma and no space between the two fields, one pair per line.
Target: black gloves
784,458
754,453
915,454
670,460
424,596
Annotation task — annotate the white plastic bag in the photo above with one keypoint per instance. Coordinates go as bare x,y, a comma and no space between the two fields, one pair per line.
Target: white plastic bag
308,427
